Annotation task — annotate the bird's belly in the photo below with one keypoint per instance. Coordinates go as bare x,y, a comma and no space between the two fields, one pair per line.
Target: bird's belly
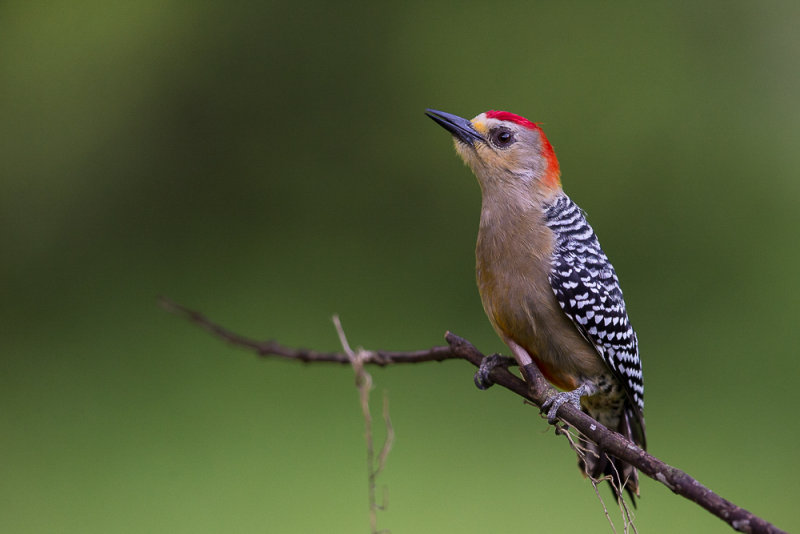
531,317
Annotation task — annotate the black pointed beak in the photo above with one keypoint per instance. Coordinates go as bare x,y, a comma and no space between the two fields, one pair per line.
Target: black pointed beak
461,129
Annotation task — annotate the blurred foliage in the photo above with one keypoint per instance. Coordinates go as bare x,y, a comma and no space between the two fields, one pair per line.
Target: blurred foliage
270,164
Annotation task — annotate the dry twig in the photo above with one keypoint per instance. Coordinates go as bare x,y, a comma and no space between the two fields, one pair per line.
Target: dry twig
534,388
364,385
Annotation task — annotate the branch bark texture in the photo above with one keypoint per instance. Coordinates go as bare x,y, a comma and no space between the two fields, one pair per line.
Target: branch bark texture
535,388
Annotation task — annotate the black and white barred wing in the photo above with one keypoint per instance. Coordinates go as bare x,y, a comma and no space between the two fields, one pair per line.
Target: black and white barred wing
587,289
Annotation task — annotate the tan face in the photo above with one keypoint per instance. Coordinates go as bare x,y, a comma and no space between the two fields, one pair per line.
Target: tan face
510,156
508,152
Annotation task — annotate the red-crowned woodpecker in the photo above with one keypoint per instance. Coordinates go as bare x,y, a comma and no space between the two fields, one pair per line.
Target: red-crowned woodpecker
547,286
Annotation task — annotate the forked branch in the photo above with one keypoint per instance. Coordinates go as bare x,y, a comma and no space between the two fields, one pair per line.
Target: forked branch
534,388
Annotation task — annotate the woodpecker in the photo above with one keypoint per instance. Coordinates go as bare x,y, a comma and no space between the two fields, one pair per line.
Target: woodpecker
546,285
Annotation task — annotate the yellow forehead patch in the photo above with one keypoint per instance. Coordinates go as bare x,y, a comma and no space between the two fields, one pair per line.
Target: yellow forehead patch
480,126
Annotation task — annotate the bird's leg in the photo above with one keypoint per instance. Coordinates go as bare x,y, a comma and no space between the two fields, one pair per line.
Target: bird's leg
520,354
553,403
556,401
482,378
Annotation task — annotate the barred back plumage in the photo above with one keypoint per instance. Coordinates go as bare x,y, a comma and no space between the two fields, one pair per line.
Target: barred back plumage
588,291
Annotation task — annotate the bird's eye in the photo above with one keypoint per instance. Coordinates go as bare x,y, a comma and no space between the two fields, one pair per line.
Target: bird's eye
502,138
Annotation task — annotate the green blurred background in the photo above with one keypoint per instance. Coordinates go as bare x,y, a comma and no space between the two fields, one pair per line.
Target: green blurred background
270,164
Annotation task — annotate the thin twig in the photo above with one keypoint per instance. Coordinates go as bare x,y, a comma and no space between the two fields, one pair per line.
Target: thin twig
271,348
627,515
534,388
389,441
603,504
581,451
364,385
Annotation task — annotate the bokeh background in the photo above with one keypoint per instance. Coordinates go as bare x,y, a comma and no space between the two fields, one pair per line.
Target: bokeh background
270,164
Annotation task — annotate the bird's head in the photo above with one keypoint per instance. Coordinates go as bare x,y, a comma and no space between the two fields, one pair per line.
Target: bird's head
509,154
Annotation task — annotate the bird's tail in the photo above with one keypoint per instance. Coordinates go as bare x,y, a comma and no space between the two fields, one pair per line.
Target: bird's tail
594,462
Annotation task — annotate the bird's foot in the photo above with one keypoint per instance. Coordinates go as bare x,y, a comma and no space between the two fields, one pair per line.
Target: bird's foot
482,378
556,401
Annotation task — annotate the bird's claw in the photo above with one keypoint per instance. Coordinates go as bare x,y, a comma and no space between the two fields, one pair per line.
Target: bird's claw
482,378
556,401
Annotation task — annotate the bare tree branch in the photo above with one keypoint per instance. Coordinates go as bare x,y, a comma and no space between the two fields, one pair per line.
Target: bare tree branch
534,388
273,348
